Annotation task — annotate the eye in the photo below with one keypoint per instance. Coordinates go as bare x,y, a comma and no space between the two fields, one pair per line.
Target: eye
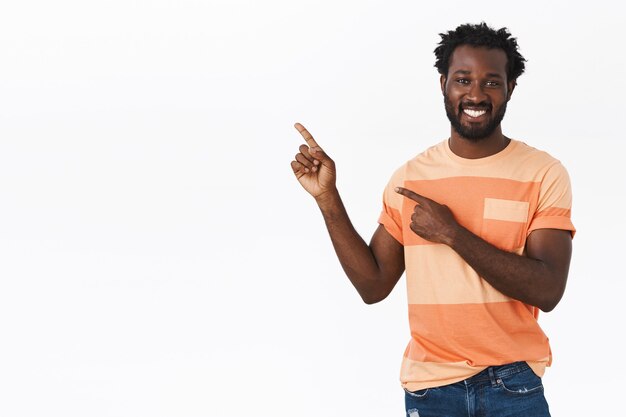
463,81
492,84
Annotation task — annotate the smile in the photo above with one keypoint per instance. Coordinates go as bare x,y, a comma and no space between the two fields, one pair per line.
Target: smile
474,113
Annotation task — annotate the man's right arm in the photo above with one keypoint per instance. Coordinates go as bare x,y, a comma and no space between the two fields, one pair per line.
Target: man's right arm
373,269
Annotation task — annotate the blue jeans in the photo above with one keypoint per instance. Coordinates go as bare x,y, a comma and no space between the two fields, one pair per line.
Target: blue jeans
500,391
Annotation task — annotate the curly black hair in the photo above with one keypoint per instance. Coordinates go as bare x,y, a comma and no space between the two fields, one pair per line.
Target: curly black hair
479,35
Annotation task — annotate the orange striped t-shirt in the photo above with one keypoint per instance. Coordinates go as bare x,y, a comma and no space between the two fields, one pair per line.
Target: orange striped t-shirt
459,323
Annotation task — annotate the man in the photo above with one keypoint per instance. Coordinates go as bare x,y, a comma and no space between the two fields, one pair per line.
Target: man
481,224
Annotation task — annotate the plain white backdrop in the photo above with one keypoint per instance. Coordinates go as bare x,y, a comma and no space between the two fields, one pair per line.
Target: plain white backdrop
157,256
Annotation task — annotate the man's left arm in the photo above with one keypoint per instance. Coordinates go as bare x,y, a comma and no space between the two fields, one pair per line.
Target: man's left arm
537,279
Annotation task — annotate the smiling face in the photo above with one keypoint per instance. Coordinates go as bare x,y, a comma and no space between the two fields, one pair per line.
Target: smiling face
476,91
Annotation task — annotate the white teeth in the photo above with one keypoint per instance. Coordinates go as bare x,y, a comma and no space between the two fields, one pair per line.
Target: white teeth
474,113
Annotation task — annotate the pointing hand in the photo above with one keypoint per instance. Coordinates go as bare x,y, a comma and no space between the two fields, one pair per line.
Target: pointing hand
312,167
431,220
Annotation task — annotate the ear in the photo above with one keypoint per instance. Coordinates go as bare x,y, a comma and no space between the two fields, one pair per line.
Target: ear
442,81
511,86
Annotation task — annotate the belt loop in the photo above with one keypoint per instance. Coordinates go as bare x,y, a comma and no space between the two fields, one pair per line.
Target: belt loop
492,377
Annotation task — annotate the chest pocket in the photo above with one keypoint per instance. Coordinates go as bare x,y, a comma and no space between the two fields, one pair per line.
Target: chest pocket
505,223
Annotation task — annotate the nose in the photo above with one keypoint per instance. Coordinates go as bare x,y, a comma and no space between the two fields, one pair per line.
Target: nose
476,93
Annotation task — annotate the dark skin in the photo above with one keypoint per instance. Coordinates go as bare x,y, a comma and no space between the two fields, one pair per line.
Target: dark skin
476,79
477,76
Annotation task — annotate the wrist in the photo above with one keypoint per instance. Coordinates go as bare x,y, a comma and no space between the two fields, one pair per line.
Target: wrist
328,199
455,236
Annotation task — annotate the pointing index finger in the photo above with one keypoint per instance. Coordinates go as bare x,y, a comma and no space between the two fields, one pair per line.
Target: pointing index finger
412,195
306,135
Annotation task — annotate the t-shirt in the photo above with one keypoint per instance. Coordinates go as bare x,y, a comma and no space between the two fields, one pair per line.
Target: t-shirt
459,323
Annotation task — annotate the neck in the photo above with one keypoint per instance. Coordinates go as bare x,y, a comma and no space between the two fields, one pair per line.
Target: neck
482,148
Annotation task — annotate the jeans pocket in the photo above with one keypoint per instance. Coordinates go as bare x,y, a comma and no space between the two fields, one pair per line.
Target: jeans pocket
522,383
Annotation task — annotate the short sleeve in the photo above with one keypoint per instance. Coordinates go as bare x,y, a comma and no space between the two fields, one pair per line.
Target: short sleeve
555,201
391,214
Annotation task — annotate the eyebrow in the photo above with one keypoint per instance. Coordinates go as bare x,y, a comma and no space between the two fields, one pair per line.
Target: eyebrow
466,72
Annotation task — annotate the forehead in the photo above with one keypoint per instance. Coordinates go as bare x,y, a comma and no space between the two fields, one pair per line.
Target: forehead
479,60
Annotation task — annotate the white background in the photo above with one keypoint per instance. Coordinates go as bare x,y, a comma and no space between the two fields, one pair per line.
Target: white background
157,256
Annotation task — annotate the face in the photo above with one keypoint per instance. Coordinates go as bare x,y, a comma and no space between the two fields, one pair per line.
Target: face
476,91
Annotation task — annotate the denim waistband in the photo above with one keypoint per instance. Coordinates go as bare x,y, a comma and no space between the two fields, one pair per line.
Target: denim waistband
495,373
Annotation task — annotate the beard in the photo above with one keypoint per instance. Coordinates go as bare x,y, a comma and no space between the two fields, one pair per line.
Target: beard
474,132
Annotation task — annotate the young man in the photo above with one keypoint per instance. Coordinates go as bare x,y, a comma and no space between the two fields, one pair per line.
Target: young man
481,224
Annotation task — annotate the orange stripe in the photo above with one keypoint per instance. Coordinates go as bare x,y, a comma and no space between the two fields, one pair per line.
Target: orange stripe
465,196
481,334
554,212
563,223
390,218
503,234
